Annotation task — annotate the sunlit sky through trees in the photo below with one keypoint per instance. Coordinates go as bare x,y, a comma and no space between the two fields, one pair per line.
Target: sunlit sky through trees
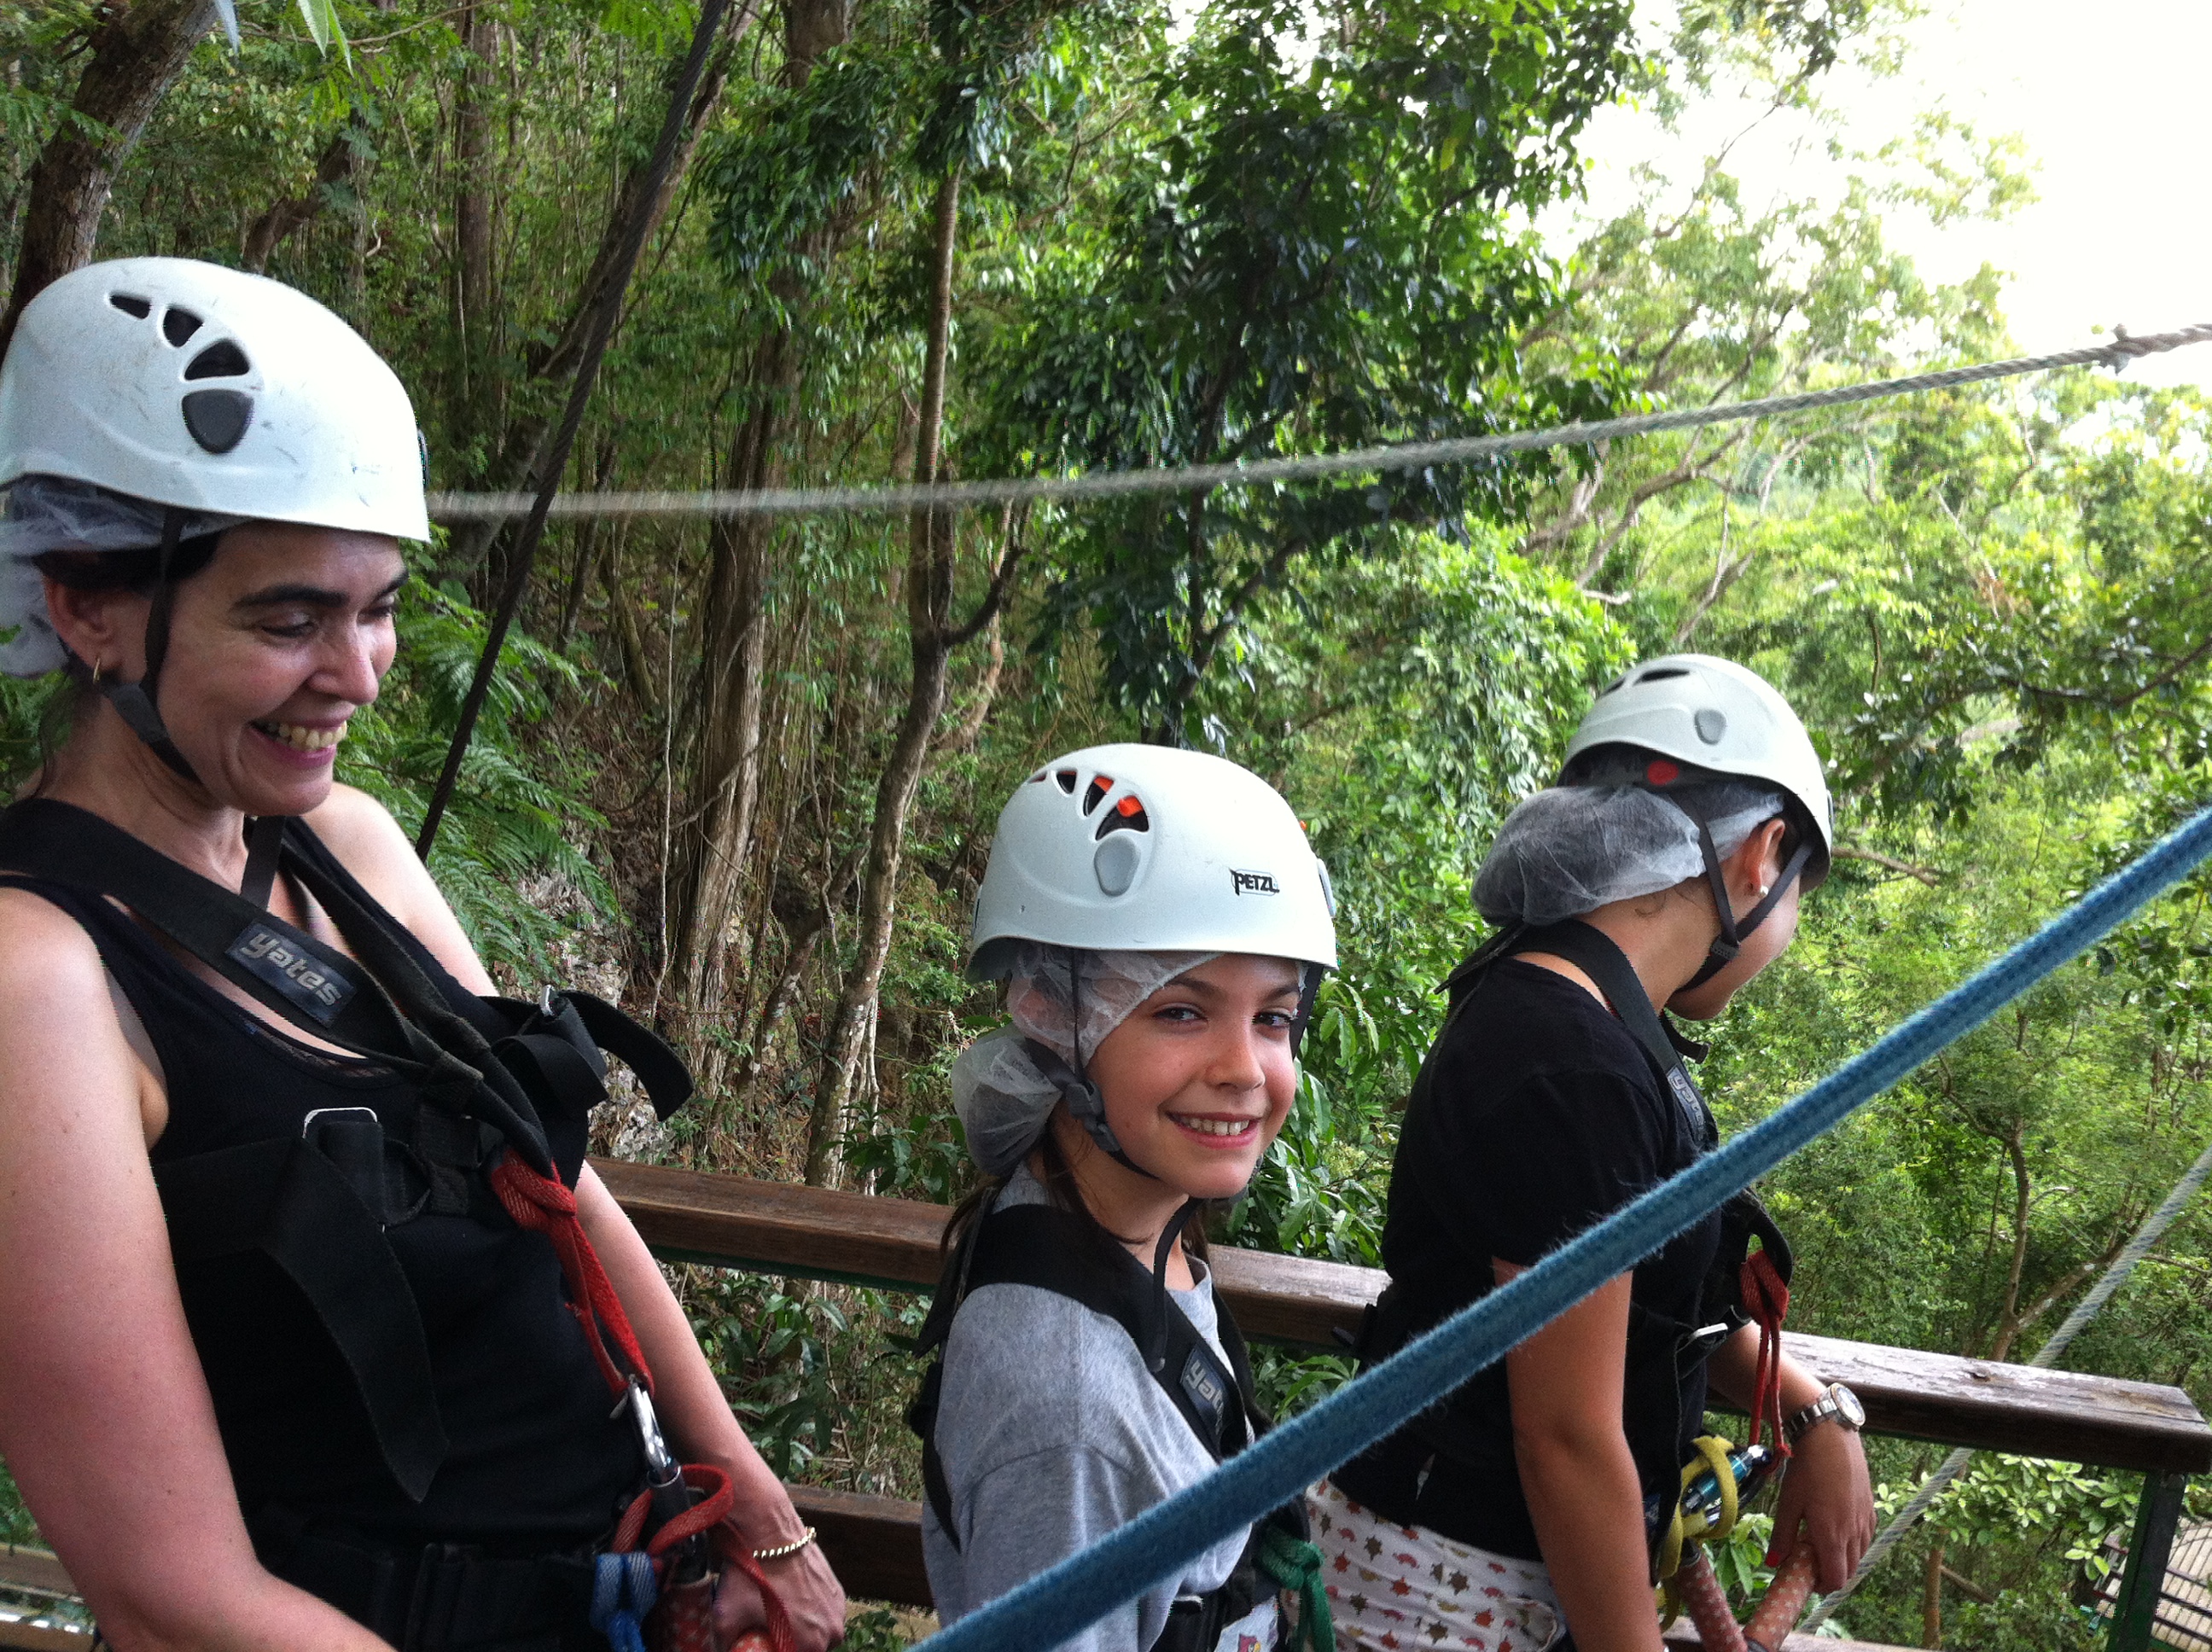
2110,100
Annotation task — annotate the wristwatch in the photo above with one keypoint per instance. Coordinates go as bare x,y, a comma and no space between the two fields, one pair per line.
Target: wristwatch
1837,1401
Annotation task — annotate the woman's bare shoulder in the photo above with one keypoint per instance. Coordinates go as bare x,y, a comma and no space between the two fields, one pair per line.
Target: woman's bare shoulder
358,829
369,843
43,948
57,1015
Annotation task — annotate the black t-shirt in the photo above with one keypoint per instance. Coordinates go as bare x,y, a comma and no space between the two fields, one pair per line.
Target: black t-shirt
1540,1116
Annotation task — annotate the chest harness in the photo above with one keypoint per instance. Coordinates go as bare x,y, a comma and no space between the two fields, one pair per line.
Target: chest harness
1744,1286
1067,1253
488,1071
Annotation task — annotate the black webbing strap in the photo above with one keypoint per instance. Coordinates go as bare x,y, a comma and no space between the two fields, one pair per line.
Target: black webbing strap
1056,1250
136,701
265,842
1594,952
311,985
290,1201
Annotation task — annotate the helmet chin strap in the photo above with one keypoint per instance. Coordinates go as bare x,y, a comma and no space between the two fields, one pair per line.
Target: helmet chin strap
1730,941
1085,1104
137,704
136,701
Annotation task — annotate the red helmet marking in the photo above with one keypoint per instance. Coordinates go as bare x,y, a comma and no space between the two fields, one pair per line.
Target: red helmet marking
1662,773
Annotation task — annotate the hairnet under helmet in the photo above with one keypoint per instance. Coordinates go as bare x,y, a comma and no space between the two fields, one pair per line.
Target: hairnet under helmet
1571,849
1066,1000
1676,763
1114,870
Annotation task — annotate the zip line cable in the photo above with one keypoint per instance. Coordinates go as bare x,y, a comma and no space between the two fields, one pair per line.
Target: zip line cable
1057,1604
2152,1230
546,504
1406,456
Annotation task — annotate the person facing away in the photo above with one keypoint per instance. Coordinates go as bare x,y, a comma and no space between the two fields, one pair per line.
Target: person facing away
1663,871
1160,924
283,1371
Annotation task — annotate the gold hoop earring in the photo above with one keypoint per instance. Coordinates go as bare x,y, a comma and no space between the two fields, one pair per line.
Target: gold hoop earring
97,666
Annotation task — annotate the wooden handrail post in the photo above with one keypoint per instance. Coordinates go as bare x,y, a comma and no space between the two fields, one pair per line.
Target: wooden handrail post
2135,1614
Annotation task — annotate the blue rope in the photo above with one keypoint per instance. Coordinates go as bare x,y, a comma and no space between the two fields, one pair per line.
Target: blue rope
1081,1589
623,1588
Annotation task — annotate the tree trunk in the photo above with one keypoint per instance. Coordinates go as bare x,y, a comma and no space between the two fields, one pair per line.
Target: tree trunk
133,58
339,166
473,333
547,368
712,854
929,613
1931,1599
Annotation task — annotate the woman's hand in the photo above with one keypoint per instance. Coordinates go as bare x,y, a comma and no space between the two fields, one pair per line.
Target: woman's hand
813,1598
1826,1496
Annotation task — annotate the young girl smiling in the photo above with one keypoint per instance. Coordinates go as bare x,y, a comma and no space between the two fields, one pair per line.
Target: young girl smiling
1161,926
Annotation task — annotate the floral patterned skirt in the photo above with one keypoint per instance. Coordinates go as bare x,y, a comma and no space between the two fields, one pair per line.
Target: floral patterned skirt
1399,1587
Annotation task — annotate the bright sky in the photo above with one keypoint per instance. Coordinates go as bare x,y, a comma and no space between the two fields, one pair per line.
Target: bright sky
2112,101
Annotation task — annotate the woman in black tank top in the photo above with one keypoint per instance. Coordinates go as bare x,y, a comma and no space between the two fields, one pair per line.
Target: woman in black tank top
249,1411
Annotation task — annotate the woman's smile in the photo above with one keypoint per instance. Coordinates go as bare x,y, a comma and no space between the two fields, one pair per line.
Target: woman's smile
305,745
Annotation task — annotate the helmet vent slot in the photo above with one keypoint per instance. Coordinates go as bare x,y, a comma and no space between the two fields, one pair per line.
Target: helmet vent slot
131,304
1067,778
178,324
222,360
1126,816
1100,785
1661,674
218,418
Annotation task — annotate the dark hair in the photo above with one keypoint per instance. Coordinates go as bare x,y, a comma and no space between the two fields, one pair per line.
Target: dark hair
135,571
1059,1185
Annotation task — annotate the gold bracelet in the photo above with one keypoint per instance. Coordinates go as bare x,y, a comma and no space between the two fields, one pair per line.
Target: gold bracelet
785,1550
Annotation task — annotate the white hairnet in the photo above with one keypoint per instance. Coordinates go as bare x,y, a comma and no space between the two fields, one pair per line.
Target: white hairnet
1571,849
1001,1097
45,513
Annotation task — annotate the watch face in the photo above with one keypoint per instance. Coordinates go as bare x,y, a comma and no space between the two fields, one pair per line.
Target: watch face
1848,1409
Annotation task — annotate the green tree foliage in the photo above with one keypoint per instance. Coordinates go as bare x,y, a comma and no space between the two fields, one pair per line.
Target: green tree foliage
1244,230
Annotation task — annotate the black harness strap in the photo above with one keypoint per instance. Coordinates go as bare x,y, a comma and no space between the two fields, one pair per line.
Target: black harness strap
291,1201
1056,1250
1592,952
312,985
318,1204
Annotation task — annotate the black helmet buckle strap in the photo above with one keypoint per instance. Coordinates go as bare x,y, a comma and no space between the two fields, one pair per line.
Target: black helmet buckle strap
1730,941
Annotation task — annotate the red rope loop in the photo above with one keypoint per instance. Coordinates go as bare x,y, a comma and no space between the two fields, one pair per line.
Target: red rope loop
540,1205
1767,1297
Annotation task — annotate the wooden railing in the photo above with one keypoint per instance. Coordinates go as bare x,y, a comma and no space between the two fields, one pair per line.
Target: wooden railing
875,1542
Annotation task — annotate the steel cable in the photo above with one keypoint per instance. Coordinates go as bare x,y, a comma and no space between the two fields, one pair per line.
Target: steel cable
2152,1230
1407,456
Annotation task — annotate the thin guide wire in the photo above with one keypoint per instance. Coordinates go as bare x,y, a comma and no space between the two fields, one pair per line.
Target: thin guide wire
2152,1230
1408,456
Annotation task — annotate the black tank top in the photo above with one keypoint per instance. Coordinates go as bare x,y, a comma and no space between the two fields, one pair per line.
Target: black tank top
535,1457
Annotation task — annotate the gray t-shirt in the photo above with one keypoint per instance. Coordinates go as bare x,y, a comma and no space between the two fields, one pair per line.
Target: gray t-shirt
1053,1434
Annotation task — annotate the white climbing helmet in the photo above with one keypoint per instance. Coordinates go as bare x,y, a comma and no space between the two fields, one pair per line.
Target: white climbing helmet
1713,714
189,385
1144,848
